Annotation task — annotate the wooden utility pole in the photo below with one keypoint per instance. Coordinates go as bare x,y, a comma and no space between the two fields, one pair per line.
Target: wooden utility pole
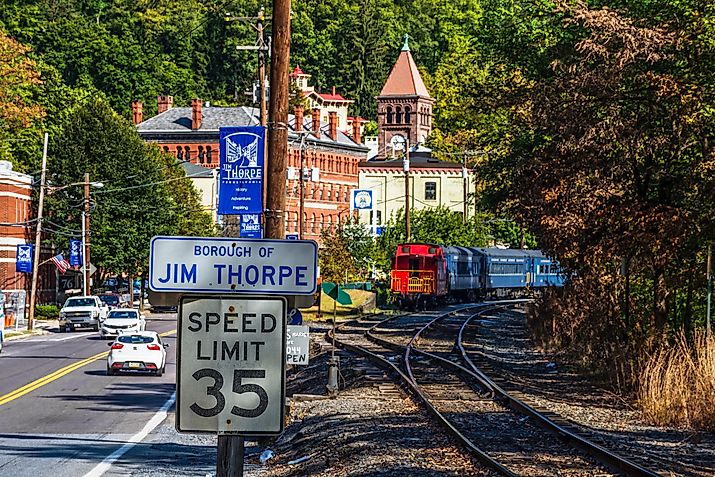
406,168
465,178
301,211
278,124
85,239
38,237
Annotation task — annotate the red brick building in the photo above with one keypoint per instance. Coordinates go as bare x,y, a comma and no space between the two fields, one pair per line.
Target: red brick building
15,210
331,156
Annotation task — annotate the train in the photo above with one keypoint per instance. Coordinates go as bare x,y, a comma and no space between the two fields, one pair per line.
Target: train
424,275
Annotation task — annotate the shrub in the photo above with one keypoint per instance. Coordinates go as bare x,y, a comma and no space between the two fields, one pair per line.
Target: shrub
678,384
47,312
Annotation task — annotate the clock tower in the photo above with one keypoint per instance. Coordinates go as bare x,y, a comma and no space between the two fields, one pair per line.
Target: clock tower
404,107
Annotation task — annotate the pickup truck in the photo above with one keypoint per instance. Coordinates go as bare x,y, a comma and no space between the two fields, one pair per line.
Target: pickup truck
82,311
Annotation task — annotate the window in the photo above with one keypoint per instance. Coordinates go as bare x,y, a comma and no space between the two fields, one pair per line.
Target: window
378,218
398,114
202,155
187,153
180,153
209,154
405,249
430,191
407,114
506,269
389,115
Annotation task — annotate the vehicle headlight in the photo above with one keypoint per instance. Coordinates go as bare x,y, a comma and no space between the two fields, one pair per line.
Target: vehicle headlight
62,314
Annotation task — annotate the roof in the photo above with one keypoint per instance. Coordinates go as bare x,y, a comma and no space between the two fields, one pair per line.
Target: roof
418,161
177,121
405,79
332,97
297,72
193,170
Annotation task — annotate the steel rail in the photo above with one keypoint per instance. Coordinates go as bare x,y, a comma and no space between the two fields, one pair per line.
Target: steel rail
604,456
413,389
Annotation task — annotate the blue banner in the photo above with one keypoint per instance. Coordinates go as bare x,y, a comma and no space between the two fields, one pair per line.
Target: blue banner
362,199
23,261
251,226
75,252
241,175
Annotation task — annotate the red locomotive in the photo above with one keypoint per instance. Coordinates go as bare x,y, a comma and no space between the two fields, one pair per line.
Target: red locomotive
419,275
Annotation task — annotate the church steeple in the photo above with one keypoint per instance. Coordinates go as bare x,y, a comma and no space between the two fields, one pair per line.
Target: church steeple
404,106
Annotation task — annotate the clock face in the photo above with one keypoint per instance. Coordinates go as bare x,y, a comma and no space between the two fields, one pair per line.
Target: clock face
398,142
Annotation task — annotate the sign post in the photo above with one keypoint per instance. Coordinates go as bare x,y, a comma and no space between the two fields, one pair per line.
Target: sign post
232,340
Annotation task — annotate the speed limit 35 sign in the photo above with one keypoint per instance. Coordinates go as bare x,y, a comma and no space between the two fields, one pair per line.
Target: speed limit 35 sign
231,365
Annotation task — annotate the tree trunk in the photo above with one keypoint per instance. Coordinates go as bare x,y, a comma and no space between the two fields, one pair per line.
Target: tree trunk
688,313
660,299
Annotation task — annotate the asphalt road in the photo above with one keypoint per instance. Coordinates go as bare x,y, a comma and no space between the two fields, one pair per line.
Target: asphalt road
72,416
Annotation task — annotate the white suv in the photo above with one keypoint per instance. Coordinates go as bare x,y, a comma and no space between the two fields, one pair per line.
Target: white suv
82,311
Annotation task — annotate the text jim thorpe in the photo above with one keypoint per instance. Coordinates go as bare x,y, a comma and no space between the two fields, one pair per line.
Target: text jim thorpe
244,349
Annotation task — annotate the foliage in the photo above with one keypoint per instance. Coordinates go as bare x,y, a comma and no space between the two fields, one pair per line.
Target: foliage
47,312
336,263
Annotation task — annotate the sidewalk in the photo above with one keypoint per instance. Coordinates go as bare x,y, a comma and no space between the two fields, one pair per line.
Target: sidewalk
42,327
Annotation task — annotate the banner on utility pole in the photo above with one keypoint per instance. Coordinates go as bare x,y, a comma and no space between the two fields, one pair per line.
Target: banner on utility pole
241,172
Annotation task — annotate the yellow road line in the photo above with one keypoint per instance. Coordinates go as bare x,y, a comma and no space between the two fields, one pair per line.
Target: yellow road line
11,396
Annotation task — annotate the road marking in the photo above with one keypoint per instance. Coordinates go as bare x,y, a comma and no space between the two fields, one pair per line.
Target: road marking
38,383
157,419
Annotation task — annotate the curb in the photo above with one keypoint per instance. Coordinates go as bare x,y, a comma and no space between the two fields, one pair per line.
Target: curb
36,332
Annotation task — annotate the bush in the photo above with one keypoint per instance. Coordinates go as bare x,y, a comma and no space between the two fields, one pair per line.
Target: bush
678,385
47,312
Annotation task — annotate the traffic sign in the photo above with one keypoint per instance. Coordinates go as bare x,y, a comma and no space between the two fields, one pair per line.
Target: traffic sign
231,365
295,317
337,293
217,264
298,345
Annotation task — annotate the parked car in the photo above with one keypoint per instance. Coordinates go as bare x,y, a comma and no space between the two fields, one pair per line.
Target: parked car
141,351
82,311
110,299
121,321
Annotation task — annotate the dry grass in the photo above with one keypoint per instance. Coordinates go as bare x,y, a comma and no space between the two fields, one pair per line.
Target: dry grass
677,386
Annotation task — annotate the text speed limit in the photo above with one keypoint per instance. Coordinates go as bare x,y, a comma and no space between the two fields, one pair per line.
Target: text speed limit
231,365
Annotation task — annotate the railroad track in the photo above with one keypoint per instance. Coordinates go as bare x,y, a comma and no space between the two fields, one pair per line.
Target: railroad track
497,428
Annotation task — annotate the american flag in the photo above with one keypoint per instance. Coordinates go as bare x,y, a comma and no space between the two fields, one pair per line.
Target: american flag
60,262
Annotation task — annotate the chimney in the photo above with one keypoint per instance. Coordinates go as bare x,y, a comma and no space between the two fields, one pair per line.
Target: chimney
333,125
316,121
164,103
196,115
137,111
357,123
298,114
333,90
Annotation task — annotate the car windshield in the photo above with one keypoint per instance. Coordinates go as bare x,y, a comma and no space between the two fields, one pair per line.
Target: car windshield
110,299
135,339
80,302
122,314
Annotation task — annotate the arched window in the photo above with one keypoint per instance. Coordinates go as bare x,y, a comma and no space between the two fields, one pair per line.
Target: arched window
209,154
305,221
166,148
322,222
202,155
180,153
389,115
187,153
407,114
313,224
330,193
398,115
330,223
320,193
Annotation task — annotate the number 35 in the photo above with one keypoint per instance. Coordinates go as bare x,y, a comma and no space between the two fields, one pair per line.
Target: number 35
238,388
